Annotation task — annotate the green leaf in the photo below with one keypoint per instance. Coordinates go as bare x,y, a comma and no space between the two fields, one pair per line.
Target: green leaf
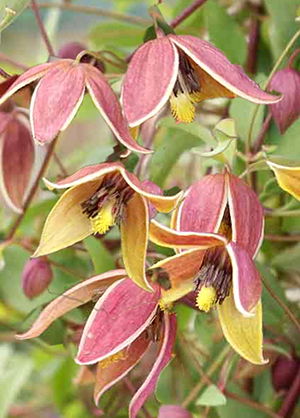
283,25
9,10
62,382
17,369
101,257
212,396
225,33
163,389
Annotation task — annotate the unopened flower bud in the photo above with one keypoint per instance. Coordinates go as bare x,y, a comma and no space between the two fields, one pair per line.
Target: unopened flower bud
284,372
287,111
36,276
72,49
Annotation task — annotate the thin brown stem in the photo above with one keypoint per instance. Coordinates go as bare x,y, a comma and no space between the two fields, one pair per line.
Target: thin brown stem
282,238
8,60
262,133
4,74
60,164
33,190
282,304
187,12
253,43
45,37
96,11
252,404
291,398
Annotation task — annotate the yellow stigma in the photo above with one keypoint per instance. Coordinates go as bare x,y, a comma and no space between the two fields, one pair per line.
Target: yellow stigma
105,218
182,106
206,298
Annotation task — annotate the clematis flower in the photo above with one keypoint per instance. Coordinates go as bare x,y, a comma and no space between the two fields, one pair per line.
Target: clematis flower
124,323
224,275
59,94
184,70
287,175
98,197
15,170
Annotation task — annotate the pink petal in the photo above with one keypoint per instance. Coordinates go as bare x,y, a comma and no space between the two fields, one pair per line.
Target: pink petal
149,80
173,411
17,159
56,100
111,373
164,355
4,119
287,111
166,237
119,317
71,299
26,78
246,280
204,204
246,215
109,107
211,60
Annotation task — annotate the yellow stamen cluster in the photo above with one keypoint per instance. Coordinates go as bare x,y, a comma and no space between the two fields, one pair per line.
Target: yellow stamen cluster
165,306
112,359
182,106
206,298
105,218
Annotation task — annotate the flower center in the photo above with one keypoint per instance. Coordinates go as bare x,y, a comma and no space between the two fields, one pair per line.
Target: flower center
186,92
106,206
215,275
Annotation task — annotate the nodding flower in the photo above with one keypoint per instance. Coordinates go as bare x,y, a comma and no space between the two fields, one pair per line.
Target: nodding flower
184,70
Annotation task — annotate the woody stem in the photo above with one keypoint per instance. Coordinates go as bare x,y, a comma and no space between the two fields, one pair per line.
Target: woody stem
187,12
45,37
33,190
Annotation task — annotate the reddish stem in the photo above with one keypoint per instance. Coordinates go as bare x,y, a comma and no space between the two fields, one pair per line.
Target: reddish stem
293,57
251,62
262,133
291,398
187,12
45,37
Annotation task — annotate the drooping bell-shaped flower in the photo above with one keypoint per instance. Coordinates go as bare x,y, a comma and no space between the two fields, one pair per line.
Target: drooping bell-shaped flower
59,94
287,111
98,197
223,275
125,321
184,70
17,155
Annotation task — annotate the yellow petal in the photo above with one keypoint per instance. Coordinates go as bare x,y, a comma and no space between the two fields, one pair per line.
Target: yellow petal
66,223
134,237
288,178
243,334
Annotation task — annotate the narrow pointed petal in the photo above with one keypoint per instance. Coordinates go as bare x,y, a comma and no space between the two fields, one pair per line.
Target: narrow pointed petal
204,204
134,237
243,334
149,80
5,118
163,204
119,317
56,100
153,189
214,62
110,108
109,374
182,270
288,177
26,78
166,237
17,159
94,172
66,223
173,411
163,358
84,376
246,280
246,214
71,299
